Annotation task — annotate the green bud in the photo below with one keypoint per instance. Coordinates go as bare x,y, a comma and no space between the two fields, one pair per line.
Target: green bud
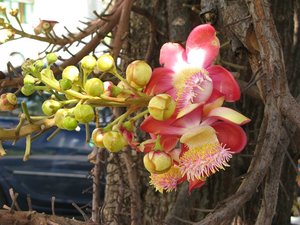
28,89
49,107
39,65
65,84
51,58
84,113
71,73
28,79
48,73
60,116
105,63
94,87
161,107
88,63
70,123
114,141
128,125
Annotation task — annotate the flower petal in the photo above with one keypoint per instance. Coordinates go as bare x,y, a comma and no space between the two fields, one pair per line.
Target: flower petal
190,119
168,142
202,46
230,115
160,82
172,56
199,136
231,135
212,105
151,125
224,82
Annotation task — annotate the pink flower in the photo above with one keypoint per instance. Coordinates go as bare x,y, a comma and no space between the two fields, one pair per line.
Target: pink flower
188,74
210,135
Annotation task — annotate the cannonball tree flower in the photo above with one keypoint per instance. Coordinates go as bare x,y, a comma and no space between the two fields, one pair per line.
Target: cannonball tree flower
209,134
188,74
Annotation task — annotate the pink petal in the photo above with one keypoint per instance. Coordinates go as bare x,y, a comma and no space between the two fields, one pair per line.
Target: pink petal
231,135
224,82
168,142
193,184
160,82
202,46
229,115
151,125
172,56
191,119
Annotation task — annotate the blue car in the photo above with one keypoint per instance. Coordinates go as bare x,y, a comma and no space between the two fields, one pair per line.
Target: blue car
57,168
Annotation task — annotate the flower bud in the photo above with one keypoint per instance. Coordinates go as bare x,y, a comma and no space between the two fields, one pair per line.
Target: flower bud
51,58
14,12
97,137
105,63
114,141
70,123
48,73
88,63
84,113
49,107
65,84
138,73
71,73
28,79
94,87
60,116
157,162
39,65
28,89
129,126
161,107
8,102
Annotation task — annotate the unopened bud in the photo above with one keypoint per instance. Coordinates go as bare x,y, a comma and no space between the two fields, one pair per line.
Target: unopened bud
70,123
138,73
84,113
88,63
114,141
157,162
161,107
94,87
14,12
65,84
60,116
97,137
28,89
105,63
8,102
51,58
49,107
129,126
28,79
71,73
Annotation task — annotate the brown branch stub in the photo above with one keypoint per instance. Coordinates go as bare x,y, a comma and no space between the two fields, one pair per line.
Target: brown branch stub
10,134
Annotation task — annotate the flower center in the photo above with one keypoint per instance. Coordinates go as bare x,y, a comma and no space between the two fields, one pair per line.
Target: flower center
192,86
166,181
202,161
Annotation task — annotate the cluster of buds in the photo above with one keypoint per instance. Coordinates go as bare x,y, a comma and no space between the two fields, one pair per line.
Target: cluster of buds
192,135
